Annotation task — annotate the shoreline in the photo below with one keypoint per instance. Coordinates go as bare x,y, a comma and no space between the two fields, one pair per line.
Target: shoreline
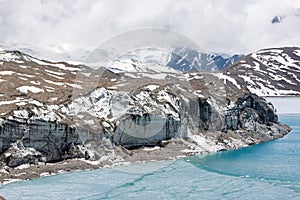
141,155
174,149
283,105
284,96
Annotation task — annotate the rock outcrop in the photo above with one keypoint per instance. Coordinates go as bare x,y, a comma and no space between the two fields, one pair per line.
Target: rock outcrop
17,155
51,139
250,109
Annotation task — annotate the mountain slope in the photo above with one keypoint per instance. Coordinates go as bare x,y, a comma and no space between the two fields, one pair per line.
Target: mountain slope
181,59
269,72
55,111
24,79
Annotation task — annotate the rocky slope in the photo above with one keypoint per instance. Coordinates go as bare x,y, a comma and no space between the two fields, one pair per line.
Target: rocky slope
268,72
56,111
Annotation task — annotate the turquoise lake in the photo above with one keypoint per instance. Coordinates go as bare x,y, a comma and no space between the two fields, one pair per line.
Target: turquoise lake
265,171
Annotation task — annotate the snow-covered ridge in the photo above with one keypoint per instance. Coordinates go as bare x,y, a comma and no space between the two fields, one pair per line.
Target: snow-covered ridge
19,57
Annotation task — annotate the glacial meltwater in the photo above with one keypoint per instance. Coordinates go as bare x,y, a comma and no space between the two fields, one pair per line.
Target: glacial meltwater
265,171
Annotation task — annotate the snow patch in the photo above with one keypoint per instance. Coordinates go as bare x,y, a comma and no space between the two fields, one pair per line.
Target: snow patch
152,87
11,101
297,52
35,82
24,166
204,144
74,85
151,148
6,73
161,76
247,79
227,78
56,73
23,66
26,89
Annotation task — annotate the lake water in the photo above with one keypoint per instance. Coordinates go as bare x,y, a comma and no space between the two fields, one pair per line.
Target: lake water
265,171
286,105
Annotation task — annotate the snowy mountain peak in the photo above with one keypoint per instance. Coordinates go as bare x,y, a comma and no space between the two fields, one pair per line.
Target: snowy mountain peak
185,59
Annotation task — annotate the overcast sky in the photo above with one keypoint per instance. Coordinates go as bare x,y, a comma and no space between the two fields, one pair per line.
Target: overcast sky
227,26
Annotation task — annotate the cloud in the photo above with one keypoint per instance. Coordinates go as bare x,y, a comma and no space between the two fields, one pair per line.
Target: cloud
227,26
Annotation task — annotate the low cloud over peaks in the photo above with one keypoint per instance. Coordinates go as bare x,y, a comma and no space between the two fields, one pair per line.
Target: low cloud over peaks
75,27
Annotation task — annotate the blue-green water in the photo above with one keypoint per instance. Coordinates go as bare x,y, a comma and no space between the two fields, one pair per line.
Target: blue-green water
266,171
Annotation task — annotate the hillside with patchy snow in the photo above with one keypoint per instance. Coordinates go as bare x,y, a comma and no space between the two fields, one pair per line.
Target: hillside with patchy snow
28,82
55,111
268,72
